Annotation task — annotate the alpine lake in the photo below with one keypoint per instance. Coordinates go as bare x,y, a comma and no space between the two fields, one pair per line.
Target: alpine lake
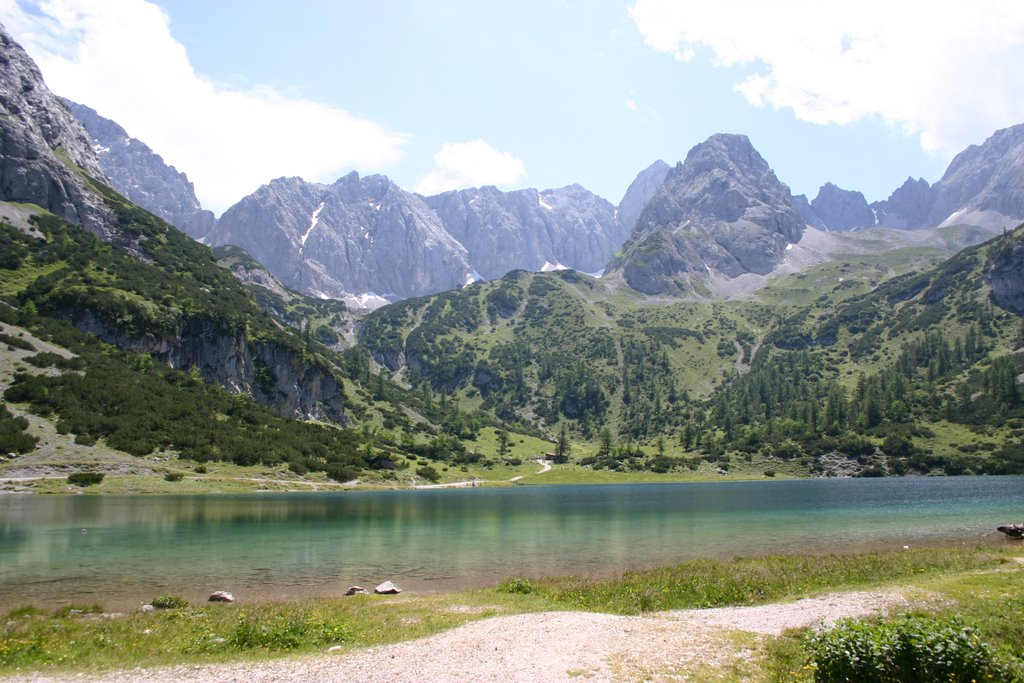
121,551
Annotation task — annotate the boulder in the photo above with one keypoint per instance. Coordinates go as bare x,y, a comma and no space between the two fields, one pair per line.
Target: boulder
357,590
220,596
387,588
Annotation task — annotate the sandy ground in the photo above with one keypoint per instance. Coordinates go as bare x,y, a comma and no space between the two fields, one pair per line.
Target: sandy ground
551,647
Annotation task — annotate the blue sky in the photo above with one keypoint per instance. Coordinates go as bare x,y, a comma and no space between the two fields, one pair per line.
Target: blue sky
440,94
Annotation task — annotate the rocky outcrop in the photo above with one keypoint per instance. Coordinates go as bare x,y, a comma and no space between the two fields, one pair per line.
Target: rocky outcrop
529,229
807,213
984,184
841,209
359,235
274,374
44,152
721,211
640,191
142,176
906,207
1004,272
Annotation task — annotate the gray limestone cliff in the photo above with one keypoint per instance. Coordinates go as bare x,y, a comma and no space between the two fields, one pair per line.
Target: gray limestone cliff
43,150
640,191
142,176
357,236
529,229
1004,272
840,209
722,211
906,207
807,212
984,184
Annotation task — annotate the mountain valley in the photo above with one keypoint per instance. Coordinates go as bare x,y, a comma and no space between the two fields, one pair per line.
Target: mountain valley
356,330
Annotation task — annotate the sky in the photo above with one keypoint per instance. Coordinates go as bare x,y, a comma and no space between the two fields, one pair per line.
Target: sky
448,94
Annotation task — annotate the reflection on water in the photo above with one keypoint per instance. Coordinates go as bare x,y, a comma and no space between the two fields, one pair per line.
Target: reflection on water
135,547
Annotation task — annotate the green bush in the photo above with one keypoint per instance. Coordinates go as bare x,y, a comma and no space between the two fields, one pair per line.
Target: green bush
173,476
517,587
904,649
428,473
168,602
85,478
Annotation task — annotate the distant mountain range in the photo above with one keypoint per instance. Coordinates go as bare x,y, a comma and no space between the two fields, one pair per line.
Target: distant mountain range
720,214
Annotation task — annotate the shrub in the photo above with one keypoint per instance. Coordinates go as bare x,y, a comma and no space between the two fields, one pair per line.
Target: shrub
85,478
173,476
168,602
517,587
904,649
428,473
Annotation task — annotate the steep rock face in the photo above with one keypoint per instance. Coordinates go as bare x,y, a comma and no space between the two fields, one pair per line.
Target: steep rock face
723,210
906,207
142,176
841,209
273,374
807,212
530,230
984,184
40,141
640,191
1004,272
356,236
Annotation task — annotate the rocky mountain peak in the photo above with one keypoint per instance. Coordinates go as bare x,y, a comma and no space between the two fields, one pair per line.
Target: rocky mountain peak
721,211
358,237
41,144
640,191
142,176
907,206
984,184
841,209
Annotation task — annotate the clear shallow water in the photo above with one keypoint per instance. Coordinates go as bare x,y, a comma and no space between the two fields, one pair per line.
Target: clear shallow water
290,545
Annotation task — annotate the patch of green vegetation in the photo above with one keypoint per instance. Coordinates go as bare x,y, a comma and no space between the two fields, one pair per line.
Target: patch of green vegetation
32,641
715,583
905,649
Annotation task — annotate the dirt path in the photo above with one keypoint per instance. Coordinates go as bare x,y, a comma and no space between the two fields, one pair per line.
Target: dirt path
554,646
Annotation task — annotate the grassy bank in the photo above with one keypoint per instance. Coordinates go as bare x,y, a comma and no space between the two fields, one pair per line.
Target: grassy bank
983,585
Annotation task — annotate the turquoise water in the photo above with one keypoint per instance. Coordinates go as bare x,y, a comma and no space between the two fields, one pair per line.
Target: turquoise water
318,544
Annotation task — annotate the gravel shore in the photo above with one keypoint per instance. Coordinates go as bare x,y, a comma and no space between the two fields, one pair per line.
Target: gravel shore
548,647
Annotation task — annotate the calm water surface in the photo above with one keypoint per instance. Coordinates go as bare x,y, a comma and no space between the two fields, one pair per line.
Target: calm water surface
290,545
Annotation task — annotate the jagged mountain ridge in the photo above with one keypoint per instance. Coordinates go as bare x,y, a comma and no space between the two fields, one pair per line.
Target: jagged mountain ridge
982,187
41,143
356,236
722,211
201,317
640,191
142,175
531,230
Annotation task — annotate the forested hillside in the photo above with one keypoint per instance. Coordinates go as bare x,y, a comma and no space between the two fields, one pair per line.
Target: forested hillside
917,375
153,325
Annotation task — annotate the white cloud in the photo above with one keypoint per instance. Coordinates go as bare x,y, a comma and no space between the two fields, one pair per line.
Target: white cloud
471,164
946,70
119,57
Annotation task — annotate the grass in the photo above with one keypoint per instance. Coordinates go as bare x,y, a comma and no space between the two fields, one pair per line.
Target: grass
716,583
984,583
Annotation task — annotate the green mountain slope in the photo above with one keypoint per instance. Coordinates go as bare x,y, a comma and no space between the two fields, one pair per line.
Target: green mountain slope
881,376
169,352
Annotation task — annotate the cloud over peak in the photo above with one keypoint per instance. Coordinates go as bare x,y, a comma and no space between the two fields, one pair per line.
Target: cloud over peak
119,57
945,70
471,164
